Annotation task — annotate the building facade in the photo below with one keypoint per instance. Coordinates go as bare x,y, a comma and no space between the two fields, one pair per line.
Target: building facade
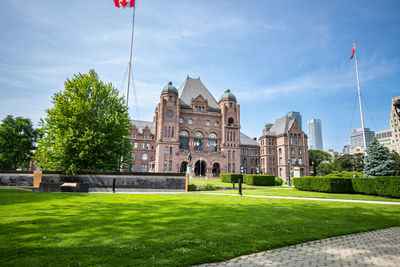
357,139
191,120
190,124
395,124
283,147
384,138
142,140
249,155
315,134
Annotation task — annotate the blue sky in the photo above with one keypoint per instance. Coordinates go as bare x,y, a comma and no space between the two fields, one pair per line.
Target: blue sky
275,56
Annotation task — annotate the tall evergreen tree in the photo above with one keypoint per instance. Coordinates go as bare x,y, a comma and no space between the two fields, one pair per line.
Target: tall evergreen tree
377,162
86,129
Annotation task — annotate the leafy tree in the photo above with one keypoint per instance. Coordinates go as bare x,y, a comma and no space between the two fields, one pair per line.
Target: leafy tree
324,168
86,128
396,158
347,162
318,156
377,162
17,142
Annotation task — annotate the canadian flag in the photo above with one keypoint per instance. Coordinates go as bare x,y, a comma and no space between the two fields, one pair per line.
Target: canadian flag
352,51
124,3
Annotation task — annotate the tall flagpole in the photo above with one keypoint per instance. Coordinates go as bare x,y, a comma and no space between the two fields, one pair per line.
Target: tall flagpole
130,57
359,97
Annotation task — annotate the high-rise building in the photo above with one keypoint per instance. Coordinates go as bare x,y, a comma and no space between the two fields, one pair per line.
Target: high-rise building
357,139
395,124
346,149
315,134
384,137
295,115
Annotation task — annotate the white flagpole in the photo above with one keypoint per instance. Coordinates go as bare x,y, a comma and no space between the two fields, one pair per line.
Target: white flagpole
130,57
359,97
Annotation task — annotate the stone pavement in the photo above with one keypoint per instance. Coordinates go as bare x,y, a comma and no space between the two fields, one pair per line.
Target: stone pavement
376,248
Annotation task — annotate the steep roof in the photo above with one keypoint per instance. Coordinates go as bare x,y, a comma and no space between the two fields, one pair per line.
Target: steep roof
192,88
140,125
280,126
247,141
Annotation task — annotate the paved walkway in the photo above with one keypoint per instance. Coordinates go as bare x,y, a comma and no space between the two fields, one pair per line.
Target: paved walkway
376,248
314,198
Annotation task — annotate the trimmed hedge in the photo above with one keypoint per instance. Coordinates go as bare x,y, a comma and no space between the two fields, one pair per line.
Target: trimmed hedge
278,181
388,186
230,177
256,179
324,184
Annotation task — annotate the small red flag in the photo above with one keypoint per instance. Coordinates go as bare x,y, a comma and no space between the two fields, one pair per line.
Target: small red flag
124,3
352,51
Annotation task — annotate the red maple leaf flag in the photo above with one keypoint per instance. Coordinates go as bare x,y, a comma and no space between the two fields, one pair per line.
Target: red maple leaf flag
353,50
124,3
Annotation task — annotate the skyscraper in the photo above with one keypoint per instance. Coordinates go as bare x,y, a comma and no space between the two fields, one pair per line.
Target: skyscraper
395,124
296,115
356,137
315,134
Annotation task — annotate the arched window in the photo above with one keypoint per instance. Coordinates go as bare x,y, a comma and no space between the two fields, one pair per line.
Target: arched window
212,142
144,156
183,140
212,136
198,135
184,133
198,141
292,151
230,120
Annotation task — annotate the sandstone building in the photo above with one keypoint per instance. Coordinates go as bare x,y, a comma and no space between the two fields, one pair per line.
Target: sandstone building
282,147
190,119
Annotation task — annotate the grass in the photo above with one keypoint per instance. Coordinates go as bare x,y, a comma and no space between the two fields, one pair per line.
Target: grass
298,193
217,182
62,229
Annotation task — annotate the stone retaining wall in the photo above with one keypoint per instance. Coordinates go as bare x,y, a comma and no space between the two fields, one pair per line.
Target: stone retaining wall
102,183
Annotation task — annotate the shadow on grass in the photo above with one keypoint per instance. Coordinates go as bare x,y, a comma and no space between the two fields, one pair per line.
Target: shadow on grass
168,230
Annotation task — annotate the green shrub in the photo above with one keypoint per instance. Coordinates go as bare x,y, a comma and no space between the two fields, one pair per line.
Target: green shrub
364,185
192,187
344,174
230,177
258,179
388,186
210,187
324,184
278,181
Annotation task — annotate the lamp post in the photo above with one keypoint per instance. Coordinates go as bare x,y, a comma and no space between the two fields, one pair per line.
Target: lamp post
289,173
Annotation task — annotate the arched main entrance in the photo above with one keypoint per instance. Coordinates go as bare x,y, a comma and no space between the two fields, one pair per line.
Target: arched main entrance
183,168
216,170
200,168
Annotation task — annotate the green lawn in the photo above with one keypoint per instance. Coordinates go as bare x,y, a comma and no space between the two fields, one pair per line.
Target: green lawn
217,182
297,193
62,229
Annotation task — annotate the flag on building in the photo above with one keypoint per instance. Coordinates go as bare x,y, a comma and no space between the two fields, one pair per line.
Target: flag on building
124,3
353,50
